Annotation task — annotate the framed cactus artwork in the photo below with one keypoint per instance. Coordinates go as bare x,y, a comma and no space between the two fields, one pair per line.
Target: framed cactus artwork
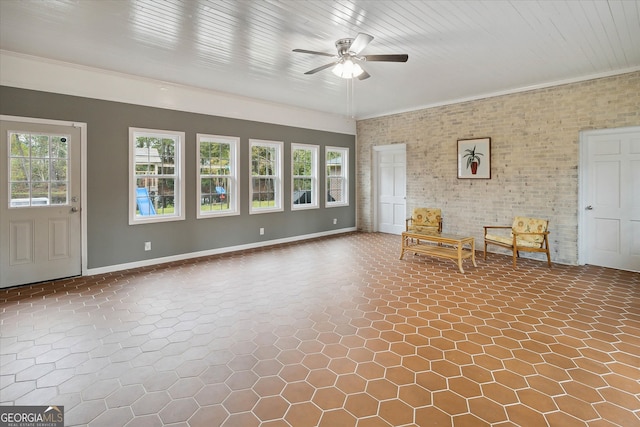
474,158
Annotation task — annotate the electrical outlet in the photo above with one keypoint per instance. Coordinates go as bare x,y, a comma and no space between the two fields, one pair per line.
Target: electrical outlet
335,221
147,246
261,231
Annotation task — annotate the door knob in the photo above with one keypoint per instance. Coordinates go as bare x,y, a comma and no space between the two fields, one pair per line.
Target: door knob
74,209
589,208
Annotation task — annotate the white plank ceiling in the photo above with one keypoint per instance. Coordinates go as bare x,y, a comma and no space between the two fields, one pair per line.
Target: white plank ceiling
458,50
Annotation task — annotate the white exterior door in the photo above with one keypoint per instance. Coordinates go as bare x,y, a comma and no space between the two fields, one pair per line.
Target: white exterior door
611,197
40,225
391,183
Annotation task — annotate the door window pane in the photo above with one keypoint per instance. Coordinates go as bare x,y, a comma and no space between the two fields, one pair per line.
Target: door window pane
38,173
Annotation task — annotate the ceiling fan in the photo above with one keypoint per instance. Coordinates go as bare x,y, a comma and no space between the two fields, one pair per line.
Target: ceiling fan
348,62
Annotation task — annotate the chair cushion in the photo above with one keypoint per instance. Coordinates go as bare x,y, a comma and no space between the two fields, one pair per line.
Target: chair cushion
509,241
429,217
530,225
423,229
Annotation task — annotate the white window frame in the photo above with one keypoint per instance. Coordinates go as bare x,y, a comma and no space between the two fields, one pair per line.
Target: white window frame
315,150
344,175
178,176
278,205
233,191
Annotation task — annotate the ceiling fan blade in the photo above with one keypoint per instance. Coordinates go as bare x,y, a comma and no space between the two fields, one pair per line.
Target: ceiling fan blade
387,58
364,75
360,42
324,67
313,52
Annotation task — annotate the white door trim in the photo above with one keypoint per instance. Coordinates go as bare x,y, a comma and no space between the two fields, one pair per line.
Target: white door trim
377,149
83,174
583,181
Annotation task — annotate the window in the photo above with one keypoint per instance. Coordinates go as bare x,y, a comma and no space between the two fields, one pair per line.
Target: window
156,165
337,176
217,192
265,190
304,176
38,169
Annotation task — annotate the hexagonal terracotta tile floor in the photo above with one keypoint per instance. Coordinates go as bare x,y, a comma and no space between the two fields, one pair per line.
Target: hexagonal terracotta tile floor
331,332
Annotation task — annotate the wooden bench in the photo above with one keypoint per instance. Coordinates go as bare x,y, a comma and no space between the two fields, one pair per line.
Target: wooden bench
440,245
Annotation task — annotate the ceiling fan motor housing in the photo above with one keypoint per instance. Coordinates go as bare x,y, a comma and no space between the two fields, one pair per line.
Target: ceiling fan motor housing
343,46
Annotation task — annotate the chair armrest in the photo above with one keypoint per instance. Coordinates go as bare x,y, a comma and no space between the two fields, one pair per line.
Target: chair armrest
487,227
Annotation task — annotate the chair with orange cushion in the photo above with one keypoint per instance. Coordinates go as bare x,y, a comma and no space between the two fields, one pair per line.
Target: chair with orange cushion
526,234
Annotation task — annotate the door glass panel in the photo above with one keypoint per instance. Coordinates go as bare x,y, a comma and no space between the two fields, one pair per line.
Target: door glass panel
38,174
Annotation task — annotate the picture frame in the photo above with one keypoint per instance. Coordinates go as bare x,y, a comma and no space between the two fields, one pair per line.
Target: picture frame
474,158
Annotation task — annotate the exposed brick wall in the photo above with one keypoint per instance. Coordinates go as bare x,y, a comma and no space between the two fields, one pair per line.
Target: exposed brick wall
534,156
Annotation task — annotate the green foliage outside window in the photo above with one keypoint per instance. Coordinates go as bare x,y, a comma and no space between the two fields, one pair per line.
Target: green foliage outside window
302,169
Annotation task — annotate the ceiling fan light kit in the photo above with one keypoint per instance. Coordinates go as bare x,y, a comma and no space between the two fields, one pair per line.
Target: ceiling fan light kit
347,69
347,62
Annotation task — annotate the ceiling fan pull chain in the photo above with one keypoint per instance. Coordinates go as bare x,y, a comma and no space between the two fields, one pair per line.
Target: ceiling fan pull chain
349,98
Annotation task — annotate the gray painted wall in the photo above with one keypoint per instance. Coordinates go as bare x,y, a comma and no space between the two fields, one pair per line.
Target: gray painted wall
112,241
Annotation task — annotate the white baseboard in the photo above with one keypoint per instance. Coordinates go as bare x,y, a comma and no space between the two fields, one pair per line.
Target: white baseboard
181,257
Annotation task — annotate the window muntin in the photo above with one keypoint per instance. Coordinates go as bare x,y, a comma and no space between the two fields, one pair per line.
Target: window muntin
337,176
304,176
218,185
38,174
156,161
265,189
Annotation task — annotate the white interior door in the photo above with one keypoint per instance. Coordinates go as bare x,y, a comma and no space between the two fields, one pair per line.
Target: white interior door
391,167
40,225
611,160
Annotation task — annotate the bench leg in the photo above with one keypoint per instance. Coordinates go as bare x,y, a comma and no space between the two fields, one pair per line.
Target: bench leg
473,253
460,258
